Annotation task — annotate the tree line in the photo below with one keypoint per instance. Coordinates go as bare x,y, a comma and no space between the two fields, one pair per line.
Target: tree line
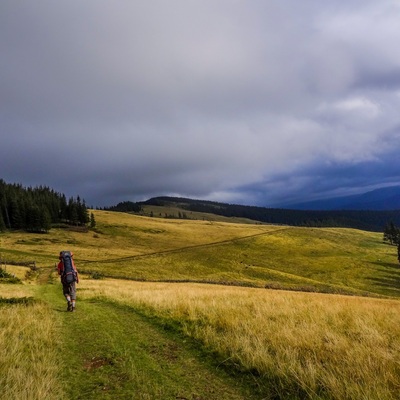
125,206
391,234
359,219
36,209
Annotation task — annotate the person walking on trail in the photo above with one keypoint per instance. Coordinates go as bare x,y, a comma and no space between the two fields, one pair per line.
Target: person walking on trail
69,278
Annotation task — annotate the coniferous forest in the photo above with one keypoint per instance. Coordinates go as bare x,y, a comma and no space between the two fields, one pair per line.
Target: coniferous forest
359,219
36,209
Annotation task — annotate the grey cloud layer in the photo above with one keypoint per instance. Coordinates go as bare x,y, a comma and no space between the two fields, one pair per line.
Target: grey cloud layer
242,101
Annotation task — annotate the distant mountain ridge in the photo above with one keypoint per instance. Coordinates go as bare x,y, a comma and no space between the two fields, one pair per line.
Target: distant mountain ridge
383,199
371,220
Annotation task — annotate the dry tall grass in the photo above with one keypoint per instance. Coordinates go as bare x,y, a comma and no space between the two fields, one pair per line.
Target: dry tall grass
124,245
7,290
28,361
301,344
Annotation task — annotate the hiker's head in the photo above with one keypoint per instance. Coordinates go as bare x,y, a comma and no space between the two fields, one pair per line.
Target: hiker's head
62,254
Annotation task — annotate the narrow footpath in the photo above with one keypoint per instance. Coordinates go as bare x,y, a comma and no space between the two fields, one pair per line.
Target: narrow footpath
109,351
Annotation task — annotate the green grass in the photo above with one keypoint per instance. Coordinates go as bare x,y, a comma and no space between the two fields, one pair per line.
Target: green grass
110,351
141,340
153,347
298,345
135,247
168,211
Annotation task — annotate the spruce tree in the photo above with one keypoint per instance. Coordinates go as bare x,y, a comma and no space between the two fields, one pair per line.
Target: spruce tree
83,214
33,222
17,214
391,233
2,224
92,221
45,220
398,252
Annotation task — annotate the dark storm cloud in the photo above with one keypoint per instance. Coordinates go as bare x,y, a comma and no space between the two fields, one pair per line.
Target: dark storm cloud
380,80
239,101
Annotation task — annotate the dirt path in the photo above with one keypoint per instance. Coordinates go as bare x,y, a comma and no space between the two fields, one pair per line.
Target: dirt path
109,351
182,249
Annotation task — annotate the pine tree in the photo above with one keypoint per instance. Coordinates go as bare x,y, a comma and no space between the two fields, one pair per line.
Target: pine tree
398,252
2,224
83,213
72,212
45,220
35,209
17,214
92,221
33,223
391,233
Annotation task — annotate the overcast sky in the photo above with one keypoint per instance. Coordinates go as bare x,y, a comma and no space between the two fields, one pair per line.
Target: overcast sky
257,102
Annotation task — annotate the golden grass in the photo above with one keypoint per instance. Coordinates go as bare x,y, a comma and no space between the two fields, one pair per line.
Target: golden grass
121,235
28,363
310,345
15,291
17,270
123,245
161,211
305,345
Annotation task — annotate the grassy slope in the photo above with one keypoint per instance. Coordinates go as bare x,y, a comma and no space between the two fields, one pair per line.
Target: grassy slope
144,340
299,345
175,212
135,353
103,351
324,259
110,351
29,363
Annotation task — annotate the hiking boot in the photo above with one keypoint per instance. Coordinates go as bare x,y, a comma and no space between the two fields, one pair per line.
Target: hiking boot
72,309
69,307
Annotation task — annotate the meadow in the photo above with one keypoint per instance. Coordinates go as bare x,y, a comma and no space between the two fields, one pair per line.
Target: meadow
127,246
29,362
299,345
199,309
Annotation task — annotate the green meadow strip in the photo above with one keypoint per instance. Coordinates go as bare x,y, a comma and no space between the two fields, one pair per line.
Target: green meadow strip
111,352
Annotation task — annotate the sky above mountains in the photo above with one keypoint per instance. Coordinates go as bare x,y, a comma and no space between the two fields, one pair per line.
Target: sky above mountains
241,101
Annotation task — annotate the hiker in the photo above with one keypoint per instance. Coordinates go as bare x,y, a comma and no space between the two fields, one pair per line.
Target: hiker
69,277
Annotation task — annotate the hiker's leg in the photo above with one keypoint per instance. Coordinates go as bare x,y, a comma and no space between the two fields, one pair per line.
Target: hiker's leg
67,296
72,291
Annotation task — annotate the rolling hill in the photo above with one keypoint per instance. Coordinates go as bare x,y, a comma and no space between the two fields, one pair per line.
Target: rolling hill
360,219
177,308
332,260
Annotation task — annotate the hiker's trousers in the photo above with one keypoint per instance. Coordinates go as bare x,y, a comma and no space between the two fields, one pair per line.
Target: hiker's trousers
69,289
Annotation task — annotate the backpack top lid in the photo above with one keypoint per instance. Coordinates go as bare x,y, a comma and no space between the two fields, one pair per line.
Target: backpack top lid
66,253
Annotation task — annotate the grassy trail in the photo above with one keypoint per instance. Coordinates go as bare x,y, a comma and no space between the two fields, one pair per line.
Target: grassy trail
112,352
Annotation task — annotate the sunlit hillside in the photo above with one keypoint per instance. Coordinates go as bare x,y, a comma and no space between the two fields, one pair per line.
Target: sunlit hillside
301,345
203,322
143,248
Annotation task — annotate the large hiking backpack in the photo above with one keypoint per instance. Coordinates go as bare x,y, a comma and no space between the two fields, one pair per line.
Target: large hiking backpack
68,274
